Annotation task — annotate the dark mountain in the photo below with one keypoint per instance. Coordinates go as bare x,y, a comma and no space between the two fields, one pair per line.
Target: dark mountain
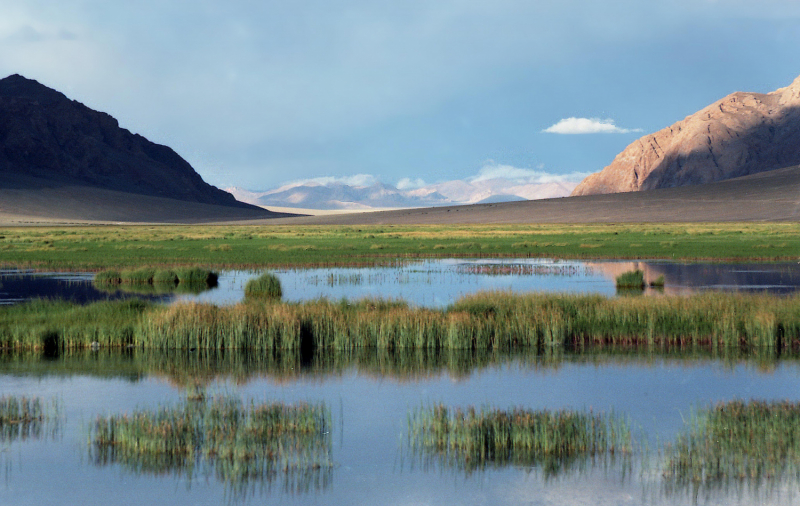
46,137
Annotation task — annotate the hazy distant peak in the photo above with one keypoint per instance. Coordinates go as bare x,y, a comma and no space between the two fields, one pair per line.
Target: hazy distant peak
336,194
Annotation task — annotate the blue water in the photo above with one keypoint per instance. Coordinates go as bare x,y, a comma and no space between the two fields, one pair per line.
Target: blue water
373,463
437,283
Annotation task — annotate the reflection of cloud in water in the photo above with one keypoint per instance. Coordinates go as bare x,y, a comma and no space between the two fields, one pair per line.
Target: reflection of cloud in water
584,490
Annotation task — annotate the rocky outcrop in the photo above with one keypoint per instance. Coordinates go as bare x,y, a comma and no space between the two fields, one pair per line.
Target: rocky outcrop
48,137
742,134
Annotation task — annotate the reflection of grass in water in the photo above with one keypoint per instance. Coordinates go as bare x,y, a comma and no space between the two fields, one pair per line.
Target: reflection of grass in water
201,367
344,279
753,443
24,418
552,440
520,270
238,443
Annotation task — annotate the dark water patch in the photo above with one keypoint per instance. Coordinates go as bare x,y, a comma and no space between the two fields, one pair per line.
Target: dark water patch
20,286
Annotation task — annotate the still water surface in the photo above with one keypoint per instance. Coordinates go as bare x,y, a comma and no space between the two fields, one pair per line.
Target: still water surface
370,395
438,282
370,398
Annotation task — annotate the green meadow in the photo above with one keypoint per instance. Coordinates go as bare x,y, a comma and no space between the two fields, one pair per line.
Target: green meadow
242,246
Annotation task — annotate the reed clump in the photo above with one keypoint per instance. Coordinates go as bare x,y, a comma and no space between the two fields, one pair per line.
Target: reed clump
53,326
266,286
487,321
737,441
24,417
631,280
236,442
190,278
471,439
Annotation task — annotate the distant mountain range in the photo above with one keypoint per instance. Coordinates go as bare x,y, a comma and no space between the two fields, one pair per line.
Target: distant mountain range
338,195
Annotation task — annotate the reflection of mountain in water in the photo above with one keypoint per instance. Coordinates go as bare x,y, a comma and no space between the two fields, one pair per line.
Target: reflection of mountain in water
78,288
684,279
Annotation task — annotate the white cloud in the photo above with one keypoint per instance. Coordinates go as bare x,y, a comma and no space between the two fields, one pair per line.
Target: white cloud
356,180
493,170
410,184
572,126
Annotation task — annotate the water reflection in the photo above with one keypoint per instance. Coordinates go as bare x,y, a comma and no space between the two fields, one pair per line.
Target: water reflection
371,395
192,369
433,283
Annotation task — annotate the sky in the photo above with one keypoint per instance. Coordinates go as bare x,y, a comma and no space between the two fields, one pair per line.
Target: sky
257,93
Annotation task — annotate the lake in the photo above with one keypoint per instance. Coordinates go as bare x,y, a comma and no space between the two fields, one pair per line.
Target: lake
439,282
370,397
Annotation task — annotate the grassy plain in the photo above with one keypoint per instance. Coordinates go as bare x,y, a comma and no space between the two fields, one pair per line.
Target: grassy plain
252,246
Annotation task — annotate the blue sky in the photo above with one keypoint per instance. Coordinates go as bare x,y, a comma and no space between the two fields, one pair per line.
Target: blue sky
257,93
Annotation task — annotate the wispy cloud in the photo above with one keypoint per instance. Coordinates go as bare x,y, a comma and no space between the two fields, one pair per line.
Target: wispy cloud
493,170
356,180
572,126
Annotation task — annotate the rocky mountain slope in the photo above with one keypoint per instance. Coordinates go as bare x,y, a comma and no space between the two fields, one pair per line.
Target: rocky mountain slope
46,137
742,134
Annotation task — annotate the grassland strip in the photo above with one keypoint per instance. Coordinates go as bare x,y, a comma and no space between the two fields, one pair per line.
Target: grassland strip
243,247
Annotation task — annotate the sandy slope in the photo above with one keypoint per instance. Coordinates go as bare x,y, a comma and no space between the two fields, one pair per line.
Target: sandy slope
28,201
767,196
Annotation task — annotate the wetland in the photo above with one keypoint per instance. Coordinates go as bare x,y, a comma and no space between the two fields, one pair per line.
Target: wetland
499,368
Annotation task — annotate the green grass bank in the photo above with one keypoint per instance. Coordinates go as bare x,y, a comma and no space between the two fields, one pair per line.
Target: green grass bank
255,247
487,321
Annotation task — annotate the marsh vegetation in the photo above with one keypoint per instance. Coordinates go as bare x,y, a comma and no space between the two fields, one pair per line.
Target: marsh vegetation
24,418
735,442
487,321
471,438
153,280
237,443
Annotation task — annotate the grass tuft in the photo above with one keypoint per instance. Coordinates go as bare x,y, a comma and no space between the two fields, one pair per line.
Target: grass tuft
470,439
266,286
631,279
737,441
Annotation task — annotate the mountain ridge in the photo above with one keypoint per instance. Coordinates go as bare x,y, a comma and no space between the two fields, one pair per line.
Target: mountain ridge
341,196
741,134
46,136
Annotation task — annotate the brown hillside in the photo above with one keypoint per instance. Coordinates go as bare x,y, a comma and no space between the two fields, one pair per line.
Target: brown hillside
767,196
742,134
